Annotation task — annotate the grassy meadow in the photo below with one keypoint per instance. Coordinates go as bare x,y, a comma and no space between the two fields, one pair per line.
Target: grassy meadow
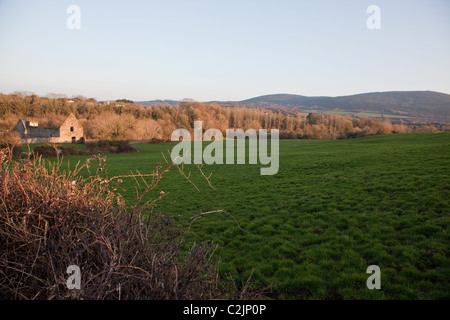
333,209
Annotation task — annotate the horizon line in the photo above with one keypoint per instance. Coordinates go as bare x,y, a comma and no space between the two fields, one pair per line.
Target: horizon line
29,93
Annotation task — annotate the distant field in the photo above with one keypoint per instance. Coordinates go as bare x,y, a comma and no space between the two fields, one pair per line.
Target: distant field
333,209
374,115
379,115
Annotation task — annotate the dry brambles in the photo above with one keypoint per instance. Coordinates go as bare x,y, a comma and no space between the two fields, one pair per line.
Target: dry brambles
51,219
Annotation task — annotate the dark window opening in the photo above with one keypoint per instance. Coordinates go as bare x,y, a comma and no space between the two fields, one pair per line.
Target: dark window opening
71,129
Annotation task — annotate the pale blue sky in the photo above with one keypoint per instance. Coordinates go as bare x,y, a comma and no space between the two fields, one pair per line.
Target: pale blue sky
223,49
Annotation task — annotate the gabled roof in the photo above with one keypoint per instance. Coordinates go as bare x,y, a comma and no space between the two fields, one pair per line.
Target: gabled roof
59,124
22,122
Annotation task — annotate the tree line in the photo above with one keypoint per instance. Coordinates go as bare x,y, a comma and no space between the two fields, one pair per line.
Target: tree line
125,120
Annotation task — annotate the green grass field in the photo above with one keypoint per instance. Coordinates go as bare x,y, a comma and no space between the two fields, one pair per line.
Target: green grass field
333,209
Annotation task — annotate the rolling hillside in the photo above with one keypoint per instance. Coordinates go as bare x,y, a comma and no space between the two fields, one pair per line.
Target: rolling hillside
420,105
411,106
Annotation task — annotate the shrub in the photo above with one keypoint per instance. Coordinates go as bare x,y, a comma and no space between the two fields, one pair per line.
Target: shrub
49,221
125,147
113,146
46,150
72,151
11,140
102,147
357,133
156,141
288,135
106,143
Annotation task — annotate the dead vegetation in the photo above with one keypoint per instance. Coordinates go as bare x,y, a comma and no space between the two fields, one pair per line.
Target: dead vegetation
50,220
12,141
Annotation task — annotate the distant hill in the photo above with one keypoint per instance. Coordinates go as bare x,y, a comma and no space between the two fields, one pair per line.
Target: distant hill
158,102
412,106
420,105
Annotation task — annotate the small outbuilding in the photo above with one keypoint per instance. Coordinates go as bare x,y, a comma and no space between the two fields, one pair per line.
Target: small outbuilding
70,131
